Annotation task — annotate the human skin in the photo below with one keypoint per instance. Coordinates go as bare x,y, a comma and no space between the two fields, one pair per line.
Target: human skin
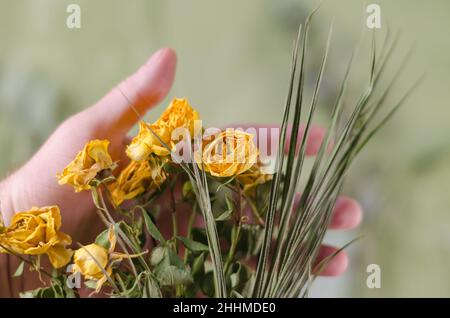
111,118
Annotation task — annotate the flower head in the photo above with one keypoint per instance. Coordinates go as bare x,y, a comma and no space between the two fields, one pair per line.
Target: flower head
87,260
137,178
36,232
94,261
86,165
230,153
179,114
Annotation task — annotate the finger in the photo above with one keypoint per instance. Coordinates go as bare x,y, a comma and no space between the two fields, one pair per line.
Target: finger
347,214
336,266
143,90
267,136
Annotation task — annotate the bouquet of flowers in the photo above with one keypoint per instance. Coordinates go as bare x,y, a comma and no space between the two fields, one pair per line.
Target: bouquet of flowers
244,236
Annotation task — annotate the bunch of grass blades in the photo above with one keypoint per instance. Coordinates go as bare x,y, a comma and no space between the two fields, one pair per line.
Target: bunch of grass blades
292,234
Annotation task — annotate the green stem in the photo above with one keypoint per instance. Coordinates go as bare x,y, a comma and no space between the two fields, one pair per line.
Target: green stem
23,259
189,229
174,219
134,246
255,211
237,228
108,219
232,251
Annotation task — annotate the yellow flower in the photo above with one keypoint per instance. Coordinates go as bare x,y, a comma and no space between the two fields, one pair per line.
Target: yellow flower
252,178
86,165
229,153
85,264
179,114
137,178
88,258
36,232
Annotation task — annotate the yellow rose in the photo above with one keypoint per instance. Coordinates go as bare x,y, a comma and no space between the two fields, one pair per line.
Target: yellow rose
229,153
179,114
137,178
88,258
84,263
36,232
86,165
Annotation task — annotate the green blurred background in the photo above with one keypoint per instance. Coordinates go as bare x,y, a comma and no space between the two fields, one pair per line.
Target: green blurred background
234,59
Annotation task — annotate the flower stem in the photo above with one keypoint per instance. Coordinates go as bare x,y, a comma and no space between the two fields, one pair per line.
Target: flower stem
189,228
255,211
23,259
232,251
108,220
237,228
174,218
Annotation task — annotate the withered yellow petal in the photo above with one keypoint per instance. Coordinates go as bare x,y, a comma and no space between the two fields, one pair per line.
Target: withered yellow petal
87,164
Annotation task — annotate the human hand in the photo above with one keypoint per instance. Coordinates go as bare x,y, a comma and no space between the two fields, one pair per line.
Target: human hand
35,184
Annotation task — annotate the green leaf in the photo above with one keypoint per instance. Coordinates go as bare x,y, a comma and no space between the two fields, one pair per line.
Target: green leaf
102,239
152,288
152,229
43,292
228,212
165,256
240,275
172,275
199,264
19,270
193,245
207,284
187,191
92,284
69,292
158,254
174,259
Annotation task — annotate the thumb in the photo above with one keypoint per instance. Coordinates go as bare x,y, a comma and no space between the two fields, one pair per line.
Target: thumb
141,91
